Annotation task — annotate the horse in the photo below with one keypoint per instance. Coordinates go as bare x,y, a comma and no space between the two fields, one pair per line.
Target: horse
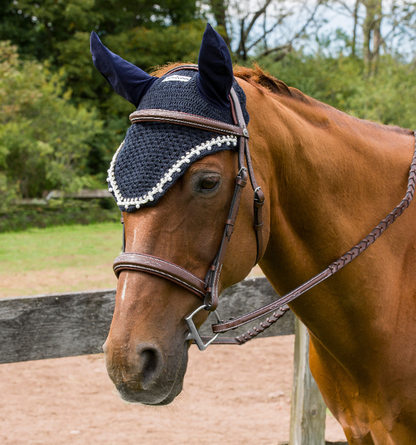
328,179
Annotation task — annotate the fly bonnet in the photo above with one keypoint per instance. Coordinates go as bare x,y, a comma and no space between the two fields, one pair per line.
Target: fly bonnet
155,154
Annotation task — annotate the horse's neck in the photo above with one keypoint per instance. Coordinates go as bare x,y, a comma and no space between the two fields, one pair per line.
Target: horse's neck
334,178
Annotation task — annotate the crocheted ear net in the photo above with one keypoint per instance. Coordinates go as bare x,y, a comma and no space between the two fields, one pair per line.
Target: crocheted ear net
154,155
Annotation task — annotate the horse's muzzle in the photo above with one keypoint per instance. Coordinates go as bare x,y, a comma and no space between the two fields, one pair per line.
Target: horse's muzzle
144,375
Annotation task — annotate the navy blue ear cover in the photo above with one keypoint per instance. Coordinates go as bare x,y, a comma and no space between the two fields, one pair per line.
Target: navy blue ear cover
215,76
127,80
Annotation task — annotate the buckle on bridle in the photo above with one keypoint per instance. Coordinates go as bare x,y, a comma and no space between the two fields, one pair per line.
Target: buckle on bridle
194,334
242,172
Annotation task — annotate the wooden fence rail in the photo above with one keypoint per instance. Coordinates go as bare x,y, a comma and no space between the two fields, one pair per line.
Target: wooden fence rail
77,323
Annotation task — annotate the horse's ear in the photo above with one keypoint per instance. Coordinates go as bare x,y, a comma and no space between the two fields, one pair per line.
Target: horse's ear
215,77
127,80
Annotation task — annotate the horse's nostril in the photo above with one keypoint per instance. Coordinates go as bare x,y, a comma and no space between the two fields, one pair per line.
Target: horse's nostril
150,364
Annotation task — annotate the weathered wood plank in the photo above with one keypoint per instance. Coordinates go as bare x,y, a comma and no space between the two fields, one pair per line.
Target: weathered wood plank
81,194
307,424
326,443
52,326
64,325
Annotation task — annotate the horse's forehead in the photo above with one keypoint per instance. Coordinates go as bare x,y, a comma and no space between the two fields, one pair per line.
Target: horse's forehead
154,155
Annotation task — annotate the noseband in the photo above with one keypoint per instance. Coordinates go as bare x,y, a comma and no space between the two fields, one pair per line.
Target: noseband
207,289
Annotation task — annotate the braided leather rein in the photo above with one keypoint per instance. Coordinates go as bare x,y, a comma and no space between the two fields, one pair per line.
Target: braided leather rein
281,303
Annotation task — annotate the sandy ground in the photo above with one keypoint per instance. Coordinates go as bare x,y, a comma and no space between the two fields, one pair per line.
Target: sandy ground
231,396
70,279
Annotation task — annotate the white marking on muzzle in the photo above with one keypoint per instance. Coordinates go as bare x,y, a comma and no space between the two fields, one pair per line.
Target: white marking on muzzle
123,293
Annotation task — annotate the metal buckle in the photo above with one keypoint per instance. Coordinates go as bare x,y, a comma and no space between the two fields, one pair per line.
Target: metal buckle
242,169
194,334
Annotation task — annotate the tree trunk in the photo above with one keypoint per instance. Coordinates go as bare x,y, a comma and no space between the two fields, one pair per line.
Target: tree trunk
354,34
219,8
372,35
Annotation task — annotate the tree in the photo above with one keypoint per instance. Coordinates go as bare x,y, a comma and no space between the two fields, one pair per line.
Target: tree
265,27
57,32
39,27
44,140
380,27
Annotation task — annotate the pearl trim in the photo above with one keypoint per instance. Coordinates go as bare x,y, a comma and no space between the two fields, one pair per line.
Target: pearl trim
158,188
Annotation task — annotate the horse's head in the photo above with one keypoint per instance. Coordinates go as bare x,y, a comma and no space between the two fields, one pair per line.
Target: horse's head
175,183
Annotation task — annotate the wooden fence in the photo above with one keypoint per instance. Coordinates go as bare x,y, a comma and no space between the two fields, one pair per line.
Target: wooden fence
64,325
59,194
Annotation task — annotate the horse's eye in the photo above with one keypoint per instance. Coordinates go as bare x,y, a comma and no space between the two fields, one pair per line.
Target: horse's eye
210,183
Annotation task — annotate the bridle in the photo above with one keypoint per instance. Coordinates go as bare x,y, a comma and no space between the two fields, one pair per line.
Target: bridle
207,289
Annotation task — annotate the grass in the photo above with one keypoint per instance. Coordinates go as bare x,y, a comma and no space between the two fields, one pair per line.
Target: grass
58,259
59,247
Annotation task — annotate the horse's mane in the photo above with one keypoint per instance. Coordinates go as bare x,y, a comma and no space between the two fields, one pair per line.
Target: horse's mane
255,76
266,83
269,85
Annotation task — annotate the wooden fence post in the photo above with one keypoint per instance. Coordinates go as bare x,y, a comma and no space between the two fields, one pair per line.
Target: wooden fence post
307,424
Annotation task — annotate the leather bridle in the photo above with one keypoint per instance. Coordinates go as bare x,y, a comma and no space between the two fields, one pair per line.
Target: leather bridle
207,289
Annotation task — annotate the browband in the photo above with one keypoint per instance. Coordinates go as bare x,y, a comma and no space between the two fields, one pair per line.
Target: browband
189,120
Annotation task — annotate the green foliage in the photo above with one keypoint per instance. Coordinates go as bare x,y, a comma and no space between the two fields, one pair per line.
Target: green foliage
39,27
386,97
44,140
59,213
57,33
60,121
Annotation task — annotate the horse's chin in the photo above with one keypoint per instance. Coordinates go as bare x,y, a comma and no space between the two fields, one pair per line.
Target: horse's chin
132,395
163,391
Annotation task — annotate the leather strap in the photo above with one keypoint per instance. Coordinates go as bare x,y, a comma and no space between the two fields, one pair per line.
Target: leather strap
141,262
186,119
213,275
258,194
254,315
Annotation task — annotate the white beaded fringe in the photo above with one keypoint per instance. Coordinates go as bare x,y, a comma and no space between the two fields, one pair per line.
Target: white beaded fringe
158,188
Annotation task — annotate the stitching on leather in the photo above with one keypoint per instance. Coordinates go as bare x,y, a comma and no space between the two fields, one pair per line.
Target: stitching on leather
150,270
175,266
184,122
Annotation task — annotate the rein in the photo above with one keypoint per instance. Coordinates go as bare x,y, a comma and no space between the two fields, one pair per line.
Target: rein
207,289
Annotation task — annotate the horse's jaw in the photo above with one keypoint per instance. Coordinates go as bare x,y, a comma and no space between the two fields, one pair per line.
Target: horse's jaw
148,377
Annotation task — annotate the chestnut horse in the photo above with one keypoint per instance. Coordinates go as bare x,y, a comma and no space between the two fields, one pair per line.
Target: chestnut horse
328,179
